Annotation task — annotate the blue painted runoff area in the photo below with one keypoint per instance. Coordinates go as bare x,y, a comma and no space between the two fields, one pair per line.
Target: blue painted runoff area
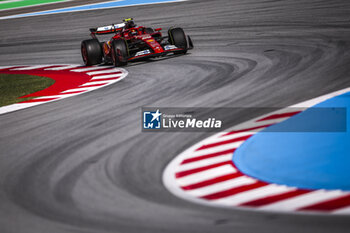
310,150
95,6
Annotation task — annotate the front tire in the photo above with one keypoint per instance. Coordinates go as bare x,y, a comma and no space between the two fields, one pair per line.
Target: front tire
91,52
178,38
119,52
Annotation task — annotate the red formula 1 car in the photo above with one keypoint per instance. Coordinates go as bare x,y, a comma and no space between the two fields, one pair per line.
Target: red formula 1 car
131,43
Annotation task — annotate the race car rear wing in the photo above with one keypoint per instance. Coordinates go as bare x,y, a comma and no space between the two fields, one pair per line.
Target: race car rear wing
107,29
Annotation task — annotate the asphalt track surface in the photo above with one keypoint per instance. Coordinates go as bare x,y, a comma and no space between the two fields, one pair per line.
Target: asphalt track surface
83,165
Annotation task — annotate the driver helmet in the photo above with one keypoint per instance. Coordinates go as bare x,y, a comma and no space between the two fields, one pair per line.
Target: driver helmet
129,23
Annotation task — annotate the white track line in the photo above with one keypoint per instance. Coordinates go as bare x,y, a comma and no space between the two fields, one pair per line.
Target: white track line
106,76
10,1
6,67
205,162
253,194
56,96
15,107
96,82
307,199
103,72
62,67
85,89
221,186
92,68
342,211
206,175
32,67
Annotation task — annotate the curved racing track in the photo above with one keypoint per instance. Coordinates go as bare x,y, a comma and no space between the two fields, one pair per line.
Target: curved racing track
82,164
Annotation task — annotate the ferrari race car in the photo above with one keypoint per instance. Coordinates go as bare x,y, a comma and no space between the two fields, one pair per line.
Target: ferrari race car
131,43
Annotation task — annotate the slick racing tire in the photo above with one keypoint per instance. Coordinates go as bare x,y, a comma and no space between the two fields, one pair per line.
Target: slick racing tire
190,43
91,52
119,52
178,38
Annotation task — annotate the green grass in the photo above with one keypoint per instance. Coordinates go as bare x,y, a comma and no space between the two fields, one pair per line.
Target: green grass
23,3
13,86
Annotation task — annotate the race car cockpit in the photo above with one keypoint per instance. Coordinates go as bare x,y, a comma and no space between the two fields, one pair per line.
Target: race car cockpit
129,23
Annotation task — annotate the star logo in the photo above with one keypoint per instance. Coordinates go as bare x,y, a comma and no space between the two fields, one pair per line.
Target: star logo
156,115
151,120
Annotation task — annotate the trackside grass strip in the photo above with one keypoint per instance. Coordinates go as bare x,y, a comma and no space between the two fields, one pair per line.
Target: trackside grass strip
8,4
13,86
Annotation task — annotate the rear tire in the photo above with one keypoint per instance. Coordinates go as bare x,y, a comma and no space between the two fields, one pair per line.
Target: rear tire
190,43
91,52
178,38
119,52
